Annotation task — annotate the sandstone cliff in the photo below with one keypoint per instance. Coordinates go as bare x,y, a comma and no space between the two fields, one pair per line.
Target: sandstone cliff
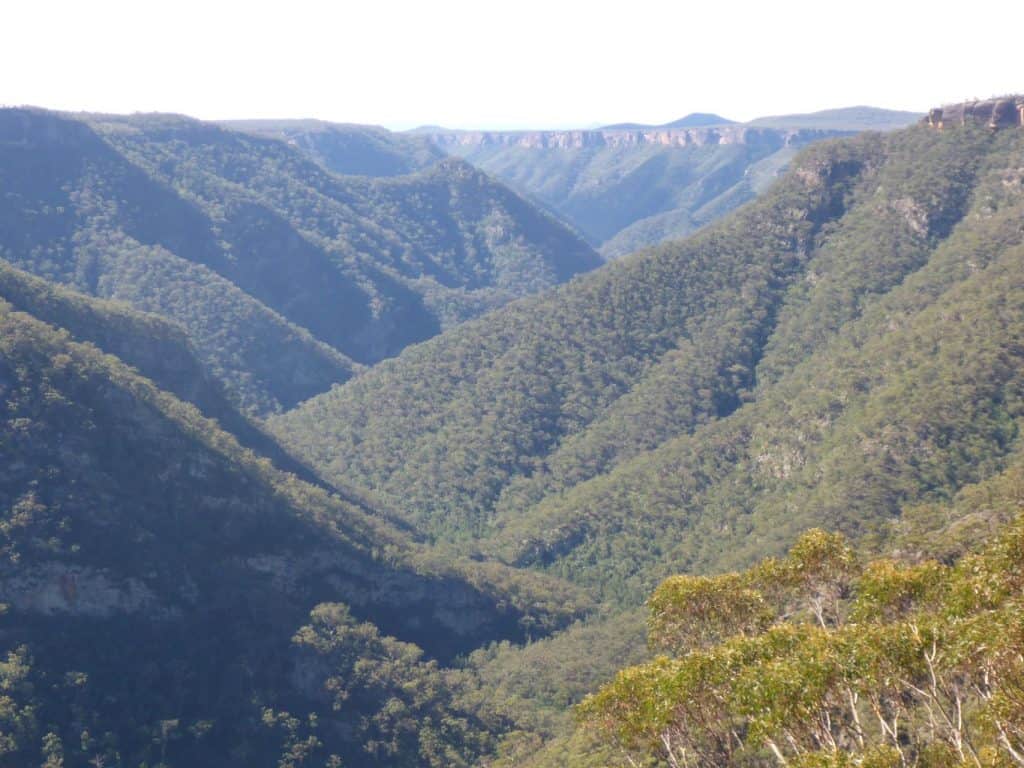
1005,112
631,137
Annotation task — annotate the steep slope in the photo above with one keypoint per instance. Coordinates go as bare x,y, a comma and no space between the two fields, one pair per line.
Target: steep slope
451,231
177,598
693,406
542,370
879,420
629,186
280,272
159,350
80,214
349,150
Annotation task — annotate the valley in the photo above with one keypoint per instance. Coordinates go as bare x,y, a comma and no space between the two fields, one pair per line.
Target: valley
327,445
628,186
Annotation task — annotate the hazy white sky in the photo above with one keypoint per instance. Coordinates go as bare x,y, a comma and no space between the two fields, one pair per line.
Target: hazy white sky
514,63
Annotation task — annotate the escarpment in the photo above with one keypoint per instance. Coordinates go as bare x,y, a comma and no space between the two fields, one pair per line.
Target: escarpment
627,186
617,138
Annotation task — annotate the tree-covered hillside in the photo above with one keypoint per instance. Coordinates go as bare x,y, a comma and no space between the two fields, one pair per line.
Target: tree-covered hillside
434,562
825,658
281,273
845,352
156,348
695,406
350,150
170,597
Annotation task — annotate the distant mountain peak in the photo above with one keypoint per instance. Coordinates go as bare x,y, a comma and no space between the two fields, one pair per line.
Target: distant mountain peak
692,120
699,120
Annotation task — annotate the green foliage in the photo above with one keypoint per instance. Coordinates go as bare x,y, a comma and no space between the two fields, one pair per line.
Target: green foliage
696,611
626,198
161,351
926,671
18,718
297,746
510,390
400,247
690,408
281,273
535,685
844,353
349,150
157,571
400,707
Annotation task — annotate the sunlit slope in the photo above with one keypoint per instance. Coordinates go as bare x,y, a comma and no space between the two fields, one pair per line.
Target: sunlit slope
694,405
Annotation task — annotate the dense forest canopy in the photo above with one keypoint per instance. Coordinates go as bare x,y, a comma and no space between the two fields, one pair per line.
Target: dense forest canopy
152,570
821,658
702,402
285,276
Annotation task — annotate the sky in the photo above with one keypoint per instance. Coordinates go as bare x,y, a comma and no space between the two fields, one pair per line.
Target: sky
508,64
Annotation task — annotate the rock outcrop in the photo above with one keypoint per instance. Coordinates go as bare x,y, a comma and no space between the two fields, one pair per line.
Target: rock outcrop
1006,112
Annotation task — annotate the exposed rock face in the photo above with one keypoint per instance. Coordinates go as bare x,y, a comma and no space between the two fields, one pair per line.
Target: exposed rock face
619,138
1006,112
55,588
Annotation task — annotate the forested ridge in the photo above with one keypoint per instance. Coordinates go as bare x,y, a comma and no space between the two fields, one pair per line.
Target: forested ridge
160,350
351,150
543,370
282,273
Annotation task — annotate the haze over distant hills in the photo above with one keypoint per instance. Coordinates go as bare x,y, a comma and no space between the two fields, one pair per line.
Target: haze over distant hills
629,185
693,120
860,118
622,186
360,150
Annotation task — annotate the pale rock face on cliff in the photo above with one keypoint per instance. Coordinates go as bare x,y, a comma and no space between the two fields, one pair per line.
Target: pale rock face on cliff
52,589
626,138
1005,112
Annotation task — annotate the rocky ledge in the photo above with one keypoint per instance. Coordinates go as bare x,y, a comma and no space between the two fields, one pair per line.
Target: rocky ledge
1005,112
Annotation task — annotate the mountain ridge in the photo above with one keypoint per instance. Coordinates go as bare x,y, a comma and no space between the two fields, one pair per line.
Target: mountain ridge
249,244
153,570
627,187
